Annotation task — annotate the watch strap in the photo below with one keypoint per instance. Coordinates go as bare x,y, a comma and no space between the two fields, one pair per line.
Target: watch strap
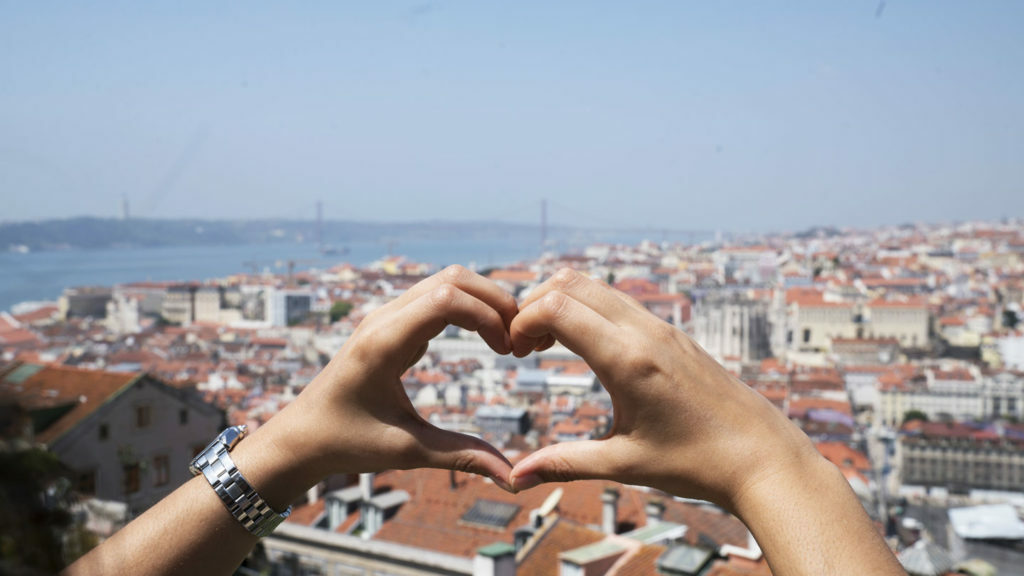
241,500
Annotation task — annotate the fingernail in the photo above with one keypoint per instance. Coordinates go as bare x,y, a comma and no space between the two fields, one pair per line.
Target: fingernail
503,484
526,481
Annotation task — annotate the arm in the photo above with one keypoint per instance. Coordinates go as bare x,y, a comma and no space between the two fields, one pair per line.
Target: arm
686,426
353,417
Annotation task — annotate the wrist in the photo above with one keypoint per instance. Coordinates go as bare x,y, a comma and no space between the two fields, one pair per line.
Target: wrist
279,474
802,482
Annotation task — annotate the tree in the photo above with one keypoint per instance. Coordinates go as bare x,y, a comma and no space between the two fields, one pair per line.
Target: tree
1010,319
35,498
914,415
340,309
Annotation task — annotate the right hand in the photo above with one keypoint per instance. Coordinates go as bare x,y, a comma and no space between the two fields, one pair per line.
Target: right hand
682,424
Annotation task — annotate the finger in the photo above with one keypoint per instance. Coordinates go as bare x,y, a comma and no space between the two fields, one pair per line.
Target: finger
578,327
428,315
631,301
596,295
416,357
453,451
547,341
469,282
568,461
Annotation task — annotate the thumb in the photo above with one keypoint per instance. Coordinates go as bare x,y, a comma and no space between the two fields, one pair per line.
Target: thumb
453,451
567,461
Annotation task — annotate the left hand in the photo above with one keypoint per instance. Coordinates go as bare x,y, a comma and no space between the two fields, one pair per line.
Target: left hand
356,417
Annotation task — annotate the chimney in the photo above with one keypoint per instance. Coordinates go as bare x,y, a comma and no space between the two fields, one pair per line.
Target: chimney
369,515
372,518
609,510
655,510
498,559
313,494
366,485
335,509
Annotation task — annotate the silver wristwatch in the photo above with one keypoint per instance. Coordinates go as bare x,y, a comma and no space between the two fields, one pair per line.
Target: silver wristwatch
234,491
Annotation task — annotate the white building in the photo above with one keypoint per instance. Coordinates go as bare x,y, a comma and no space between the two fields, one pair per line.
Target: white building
956,395
732,326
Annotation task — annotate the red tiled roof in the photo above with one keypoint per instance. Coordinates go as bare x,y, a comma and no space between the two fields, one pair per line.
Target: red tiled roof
555,537
843,456
917,303
80,391
432,518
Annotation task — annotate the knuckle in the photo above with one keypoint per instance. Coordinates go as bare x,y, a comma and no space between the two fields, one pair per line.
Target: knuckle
560,470
444,296
454,273
565,278
465,462
552,306
663,331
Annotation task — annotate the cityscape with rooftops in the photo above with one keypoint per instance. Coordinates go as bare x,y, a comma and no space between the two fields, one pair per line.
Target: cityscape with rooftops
899,351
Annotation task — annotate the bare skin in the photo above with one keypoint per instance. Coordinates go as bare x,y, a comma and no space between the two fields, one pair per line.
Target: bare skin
354,417
682,424
686,426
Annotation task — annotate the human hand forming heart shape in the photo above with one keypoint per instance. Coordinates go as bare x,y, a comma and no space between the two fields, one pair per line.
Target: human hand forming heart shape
676,410
682,424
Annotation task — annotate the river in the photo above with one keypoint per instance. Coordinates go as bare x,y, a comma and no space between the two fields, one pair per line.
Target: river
36,276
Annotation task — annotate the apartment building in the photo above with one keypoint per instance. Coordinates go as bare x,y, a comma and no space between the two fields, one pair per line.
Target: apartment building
127,437
953,394
960,457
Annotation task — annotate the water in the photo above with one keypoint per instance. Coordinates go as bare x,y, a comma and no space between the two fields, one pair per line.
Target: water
44,275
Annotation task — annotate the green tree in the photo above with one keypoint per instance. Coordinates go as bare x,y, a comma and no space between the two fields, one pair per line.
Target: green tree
914,415
34,517
1010,319
339,310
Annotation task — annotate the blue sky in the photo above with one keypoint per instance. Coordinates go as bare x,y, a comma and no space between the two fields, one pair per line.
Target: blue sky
711,115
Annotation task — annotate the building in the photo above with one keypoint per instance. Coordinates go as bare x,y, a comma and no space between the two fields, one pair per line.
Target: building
960,457
416,522
904,320
288,307
85,301
127,437
815,320
178,306
865,351
502,420
956,394
732,326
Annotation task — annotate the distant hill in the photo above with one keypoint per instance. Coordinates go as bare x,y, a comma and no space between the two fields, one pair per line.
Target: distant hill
105,232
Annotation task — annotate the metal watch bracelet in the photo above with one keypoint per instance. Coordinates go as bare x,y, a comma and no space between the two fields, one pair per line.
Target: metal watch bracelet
241,500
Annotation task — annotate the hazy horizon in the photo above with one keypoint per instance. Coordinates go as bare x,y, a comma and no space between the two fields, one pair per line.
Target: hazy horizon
742,118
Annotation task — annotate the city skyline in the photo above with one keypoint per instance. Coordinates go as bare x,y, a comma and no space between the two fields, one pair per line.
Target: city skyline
658,115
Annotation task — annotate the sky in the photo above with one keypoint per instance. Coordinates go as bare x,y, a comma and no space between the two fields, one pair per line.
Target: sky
736,116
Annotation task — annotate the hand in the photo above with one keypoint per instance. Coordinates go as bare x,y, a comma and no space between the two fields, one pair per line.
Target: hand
682,423
356,417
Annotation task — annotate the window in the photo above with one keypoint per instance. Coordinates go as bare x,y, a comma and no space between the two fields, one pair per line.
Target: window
143,416
161,470
131,478
85,484
104,432
807,335
183,416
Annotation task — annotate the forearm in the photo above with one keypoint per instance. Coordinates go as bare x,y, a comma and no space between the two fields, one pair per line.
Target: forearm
808,521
